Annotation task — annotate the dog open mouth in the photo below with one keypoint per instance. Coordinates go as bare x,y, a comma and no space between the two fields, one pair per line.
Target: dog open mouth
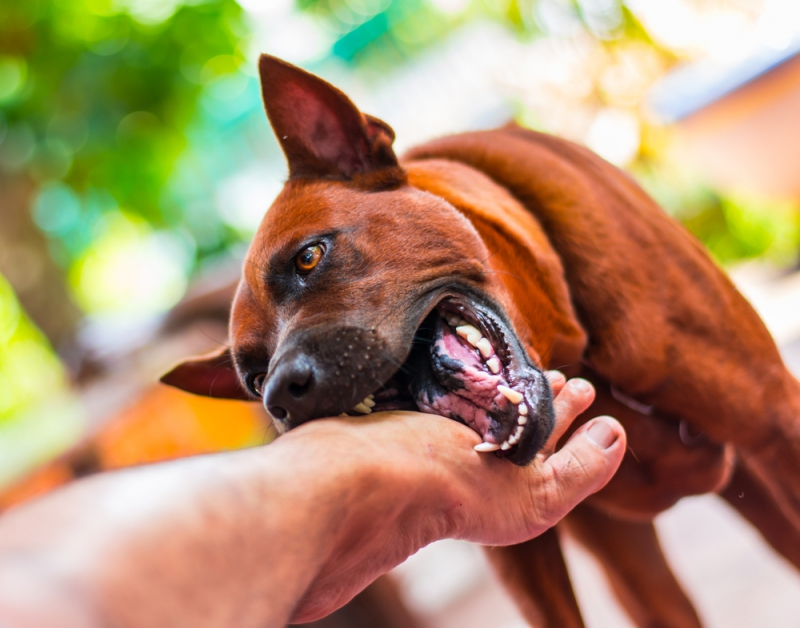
467,364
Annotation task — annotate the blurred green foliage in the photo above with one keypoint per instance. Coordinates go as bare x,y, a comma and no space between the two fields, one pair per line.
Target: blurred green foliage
27,363
380,33
96,98
99,101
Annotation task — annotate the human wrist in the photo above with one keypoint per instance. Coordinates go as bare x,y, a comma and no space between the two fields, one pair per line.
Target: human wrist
389,500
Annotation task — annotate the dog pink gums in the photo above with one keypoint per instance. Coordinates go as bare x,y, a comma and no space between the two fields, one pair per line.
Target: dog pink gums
472,390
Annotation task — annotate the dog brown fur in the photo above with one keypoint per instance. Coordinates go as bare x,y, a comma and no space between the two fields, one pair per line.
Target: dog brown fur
595,279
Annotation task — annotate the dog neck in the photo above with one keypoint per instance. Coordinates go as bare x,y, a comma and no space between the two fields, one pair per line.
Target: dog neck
524,265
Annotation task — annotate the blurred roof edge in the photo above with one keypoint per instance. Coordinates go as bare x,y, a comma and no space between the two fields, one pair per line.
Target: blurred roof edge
693,87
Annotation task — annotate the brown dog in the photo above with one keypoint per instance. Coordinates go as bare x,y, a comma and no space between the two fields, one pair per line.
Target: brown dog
448,281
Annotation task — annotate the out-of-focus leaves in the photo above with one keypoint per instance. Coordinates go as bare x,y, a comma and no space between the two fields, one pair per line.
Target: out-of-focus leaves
97,95
732,226
27,363
384,33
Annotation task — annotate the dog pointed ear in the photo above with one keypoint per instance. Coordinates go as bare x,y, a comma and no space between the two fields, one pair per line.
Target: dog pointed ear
211,375
322,133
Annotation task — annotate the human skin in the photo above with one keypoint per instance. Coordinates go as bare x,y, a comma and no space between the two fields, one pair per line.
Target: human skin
290,531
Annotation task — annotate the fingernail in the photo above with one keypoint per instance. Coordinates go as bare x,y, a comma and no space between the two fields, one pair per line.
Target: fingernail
601,434
580,384
554,376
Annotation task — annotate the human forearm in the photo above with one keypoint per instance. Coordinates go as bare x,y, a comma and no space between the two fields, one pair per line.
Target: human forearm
211,537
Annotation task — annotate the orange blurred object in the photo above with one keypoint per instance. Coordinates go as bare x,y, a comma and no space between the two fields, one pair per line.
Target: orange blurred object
164,423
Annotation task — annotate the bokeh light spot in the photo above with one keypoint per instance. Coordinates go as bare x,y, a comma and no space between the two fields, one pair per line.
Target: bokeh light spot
130,268
57,209
12,77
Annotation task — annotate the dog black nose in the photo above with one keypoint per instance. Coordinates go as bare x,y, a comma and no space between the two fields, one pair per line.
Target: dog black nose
288,388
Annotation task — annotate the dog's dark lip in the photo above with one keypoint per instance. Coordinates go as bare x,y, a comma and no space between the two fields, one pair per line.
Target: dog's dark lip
520,440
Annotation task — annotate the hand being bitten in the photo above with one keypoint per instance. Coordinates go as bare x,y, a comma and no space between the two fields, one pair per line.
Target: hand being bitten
452,491
292,530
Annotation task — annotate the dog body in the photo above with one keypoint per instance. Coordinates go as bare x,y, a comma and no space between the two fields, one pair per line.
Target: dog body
367,270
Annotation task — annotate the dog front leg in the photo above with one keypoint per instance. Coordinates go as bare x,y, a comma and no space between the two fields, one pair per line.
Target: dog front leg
637,569
536,576
754,501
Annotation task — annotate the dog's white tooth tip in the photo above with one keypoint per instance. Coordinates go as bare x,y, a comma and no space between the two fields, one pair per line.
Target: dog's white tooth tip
369,402
486,447
360,407
494,365
505,446
522,409
485,347
509,393
522,420
518,433
471,334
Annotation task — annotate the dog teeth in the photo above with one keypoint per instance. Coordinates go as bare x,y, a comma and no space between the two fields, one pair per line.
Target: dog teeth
522,420
494,365
485,347
470,333
512,395
522,409
487,447
363,409
505,446
369,402
518,433
453,321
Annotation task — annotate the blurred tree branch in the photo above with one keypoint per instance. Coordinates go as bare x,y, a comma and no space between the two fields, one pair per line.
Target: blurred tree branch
25,261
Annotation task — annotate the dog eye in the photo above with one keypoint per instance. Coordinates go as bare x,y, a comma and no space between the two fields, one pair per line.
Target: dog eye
308,258
257,384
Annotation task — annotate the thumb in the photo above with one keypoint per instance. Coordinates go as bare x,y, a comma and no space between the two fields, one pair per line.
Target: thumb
583,465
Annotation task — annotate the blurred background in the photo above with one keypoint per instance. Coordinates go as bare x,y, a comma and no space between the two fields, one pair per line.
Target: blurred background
136,163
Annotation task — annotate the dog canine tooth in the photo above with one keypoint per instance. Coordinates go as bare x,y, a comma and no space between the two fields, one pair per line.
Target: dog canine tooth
512,395
360,407
494,365
471,334
485,347
523,409
522,420
486,447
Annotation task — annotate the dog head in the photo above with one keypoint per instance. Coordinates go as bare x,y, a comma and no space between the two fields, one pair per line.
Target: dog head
361,292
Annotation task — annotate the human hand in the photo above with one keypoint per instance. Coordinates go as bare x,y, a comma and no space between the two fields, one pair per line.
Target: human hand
427,483
294,529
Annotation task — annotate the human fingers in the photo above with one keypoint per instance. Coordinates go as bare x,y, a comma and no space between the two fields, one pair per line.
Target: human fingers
571,399
582,466
556,379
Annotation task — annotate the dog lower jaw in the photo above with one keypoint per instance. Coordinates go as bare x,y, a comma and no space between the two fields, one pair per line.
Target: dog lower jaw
467,365
481,379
